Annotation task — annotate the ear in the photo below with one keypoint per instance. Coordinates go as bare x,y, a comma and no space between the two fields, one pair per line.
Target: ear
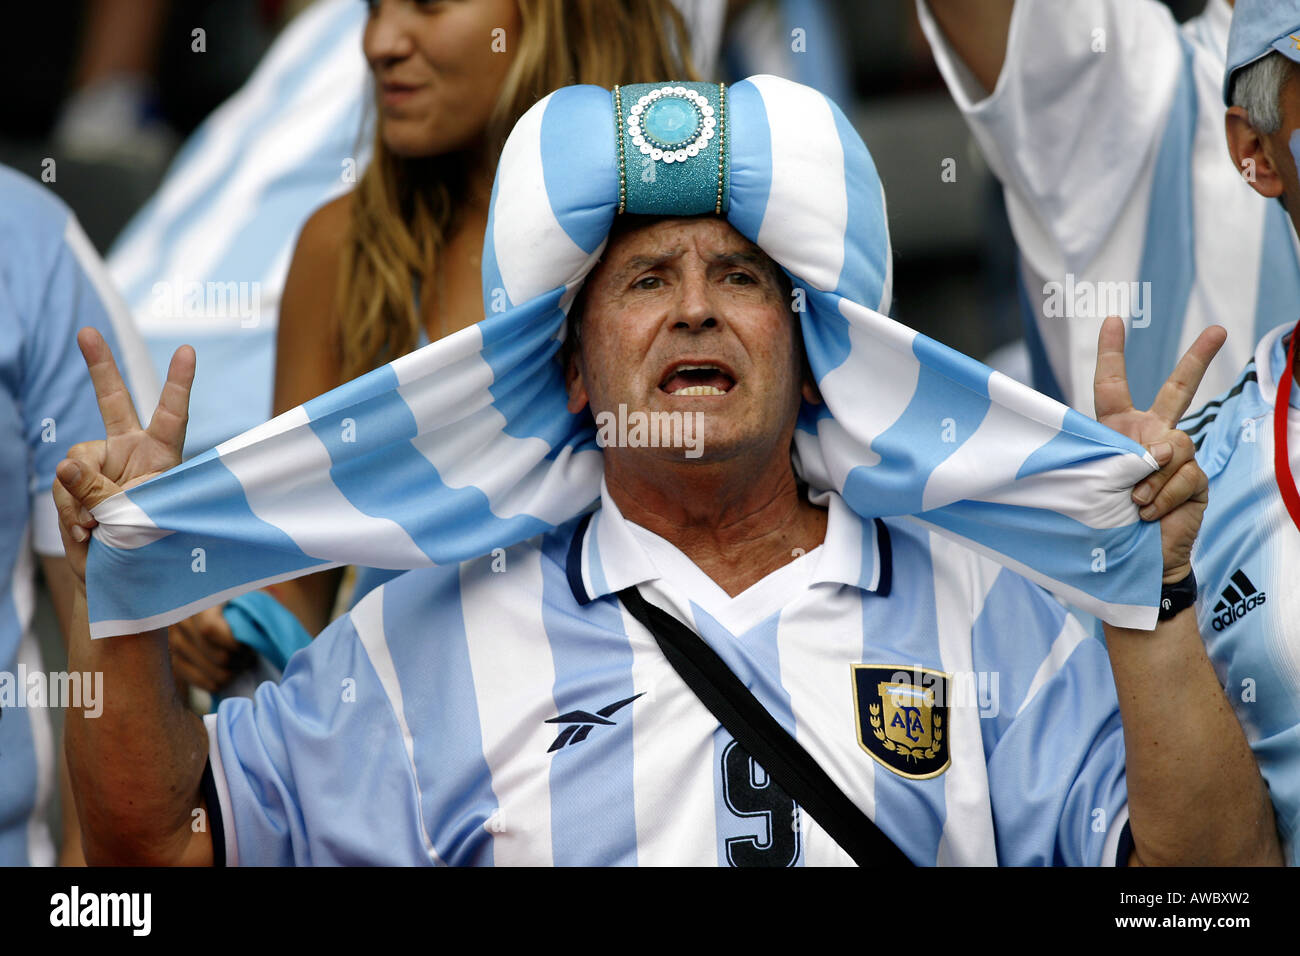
808,382
574,384
811,394
1252,154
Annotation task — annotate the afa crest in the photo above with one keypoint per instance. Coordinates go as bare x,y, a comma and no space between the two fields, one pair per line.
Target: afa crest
902,718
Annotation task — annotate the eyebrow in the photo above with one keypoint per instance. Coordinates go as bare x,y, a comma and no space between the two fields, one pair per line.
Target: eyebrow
746,257
637,263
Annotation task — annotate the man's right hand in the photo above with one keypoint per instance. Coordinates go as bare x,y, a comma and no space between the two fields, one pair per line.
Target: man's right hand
129,455
136,767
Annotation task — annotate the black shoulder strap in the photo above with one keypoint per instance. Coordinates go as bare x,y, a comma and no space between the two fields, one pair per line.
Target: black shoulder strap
778,753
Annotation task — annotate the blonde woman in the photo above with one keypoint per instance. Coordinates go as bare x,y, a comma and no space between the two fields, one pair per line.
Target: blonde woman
395,262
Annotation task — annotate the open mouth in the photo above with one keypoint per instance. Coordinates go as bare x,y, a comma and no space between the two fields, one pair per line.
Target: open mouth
692,380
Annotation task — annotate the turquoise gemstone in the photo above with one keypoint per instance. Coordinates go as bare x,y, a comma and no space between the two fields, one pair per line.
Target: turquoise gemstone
671,121
674,124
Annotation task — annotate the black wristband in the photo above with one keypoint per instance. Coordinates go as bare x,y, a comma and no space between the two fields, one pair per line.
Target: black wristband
1177,597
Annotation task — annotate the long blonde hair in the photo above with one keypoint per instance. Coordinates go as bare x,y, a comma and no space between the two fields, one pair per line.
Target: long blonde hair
405,209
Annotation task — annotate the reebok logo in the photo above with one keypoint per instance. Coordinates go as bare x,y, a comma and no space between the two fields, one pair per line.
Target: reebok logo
580,723
1236,602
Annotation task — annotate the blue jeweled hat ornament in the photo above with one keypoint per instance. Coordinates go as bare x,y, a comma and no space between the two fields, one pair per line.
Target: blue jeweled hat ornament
672,148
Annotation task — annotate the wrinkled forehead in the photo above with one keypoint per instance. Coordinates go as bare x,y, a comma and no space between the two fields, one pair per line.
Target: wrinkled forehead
645,240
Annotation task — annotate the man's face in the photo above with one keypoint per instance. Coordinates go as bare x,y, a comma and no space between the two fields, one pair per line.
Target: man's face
1269,161
687,315
1284,145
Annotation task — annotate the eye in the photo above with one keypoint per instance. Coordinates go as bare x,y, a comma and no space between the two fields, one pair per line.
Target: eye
740,278
648,282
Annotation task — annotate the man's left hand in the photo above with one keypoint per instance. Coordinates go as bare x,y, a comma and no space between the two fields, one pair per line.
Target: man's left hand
1177,494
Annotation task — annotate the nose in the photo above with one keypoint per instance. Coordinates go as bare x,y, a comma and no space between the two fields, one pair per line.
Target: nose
696,306
387,36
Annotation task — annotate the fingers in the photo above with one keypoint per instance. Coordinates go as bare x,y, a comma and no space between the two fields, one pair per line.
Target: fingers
200,647
205,652
68,509
194,660
115,406
81,474
74,514
74,535
173,411
185,671
1176,394
212,626
1110,383
1178,480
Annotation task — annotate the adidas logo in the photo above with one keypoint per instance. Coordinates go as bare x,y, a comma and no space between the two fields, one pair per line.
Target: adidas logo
1237,601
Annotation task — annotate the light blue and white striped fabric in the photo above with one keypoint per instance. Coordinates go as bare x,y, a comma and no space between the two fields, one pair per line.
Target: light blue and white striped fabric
454,715
466,445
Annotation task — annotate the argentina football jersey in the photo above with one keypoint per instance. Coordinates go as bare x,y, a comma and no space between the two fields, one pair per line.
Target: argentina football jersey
51,284
1246,559
511,712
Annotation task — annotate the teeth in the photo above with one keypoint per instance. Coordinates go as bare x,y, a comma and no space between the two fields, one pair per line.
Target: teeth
687,368
699,390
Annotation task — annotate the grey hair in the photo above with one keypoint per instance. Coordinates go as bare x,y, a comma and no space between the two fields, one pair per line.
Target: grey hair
1257,88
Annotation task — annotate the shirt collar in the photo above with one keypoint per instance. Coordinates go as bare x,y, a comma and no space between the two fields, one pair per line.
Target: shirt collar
1270,362
605,557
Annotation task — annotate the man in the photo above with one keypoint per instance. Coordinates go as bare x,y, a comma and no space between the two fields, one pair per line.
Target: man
1101,120
316,770
1249,549
510,710
51,284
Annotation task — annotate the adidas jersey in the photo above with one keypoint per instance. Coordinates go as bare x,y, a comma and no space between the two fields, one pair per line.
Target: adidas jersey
1246,558
51,284
1138,211
509,711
